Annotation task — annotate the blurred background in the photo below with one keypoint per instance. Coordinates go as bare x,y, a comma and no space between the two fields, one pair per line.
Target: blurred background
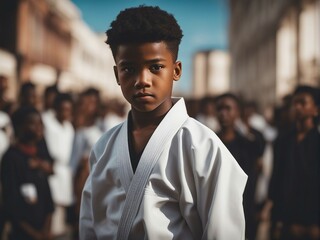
259,50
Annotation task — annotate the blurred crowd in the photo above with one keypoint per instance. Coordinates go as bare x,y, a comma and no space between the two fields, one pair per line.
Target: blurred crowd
279,149
46,141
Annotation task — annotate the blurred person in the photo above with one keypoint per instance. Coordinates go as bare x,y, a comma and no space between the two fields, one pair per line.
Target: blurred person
254,126
206,113
28,95
6,132
87,108
244,148
28,98
283,116
59,136
192,106
5,105
5,140
111,114
49,96
87,128
254,118
3,89
295,183
87,133
24,177
261,197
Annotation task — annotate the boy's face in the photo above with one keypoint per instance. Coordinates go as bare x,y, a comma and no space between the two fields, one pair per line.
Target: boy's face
32,128
49,99
145,73
3,84
30,97
303,106
227,112
64,112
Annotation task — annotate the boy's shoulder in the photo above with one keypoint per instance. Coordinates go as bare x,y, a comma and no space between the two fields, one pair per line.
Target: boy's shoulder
106,138
194,124
12,156
196,131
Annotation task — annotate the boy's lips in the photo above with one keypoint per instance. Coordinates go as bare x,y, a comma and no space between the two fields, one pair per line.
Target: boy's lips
142,95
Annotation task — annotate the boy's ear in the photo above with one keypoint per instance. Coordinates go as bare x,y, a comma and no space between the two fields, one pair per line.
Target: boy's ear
177,71
115,70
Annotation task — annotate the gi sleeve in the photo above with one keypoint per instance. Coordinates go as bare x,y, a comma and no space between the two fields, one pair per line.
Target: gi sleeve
86,223
220,183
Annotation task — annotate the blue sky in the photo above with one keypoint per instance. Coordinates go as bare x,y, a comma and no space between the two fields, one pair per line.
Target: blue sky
204,24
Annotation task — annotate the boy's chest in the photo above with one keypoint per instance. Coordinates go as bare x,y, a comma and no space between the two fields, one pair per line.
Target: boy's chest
26,173
139,139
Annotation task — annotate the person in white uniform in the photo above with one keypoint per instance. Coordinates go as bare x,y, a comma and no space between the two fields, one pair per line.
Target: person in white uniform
59,134
160,174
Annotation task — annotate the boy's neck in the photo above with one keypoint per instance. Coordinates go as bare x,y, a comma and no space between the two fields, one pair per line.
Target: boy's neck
29,143
142,120
304,126
228,134
143,126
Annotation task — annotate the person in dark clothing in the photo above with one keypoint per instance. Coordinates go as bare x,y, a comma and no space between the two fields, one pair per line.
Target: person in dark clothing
5,104
27,95
245,150
26,193
28,98
295,183
50,94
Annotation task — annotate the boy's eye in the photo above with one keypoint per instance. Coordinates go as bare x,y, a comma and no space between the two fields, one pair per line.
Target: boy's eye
156,68
128,69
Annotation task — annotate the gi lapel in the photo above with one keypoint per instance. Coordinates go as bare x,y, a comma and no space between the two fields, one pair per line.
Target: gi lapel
168,127
124,164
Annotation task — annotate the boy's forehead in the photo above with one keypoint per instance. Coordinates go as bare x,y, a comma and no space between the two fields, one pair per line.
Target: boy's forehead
303,95
149,50
227,100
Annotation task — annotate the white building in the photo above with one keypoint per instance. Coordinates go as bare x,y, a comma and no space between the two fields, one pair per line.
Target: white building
274,46
47,42
211,73
91,61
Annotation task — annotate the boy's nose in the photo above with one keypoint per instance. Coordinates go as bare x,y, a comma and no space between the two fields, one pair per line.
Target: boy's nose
143,80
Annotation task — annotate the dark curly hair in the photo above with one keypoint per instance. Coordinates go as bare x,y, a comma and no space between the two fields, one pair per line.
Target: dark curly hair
61,98
312,91
19,118
232,96
144,24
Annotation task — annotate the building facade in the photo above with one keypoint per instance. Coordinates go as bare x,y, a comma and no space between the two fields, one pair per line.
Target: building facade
274,45
38,37
51,44
210,73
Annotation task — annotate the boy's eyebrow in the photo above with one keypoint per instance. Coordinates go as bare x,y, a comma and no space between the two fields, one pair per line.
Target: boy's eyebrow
155,60
128,62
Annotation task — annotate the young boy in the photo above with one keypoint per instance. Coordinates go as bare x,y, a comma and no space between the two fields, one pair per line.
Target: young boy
160,174
243,147
24,178
57,126
295,183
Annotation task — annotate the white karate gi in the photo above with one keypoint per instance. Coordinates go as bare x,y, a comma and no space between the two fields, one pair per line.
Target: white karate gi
59,139
194,191
5,133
